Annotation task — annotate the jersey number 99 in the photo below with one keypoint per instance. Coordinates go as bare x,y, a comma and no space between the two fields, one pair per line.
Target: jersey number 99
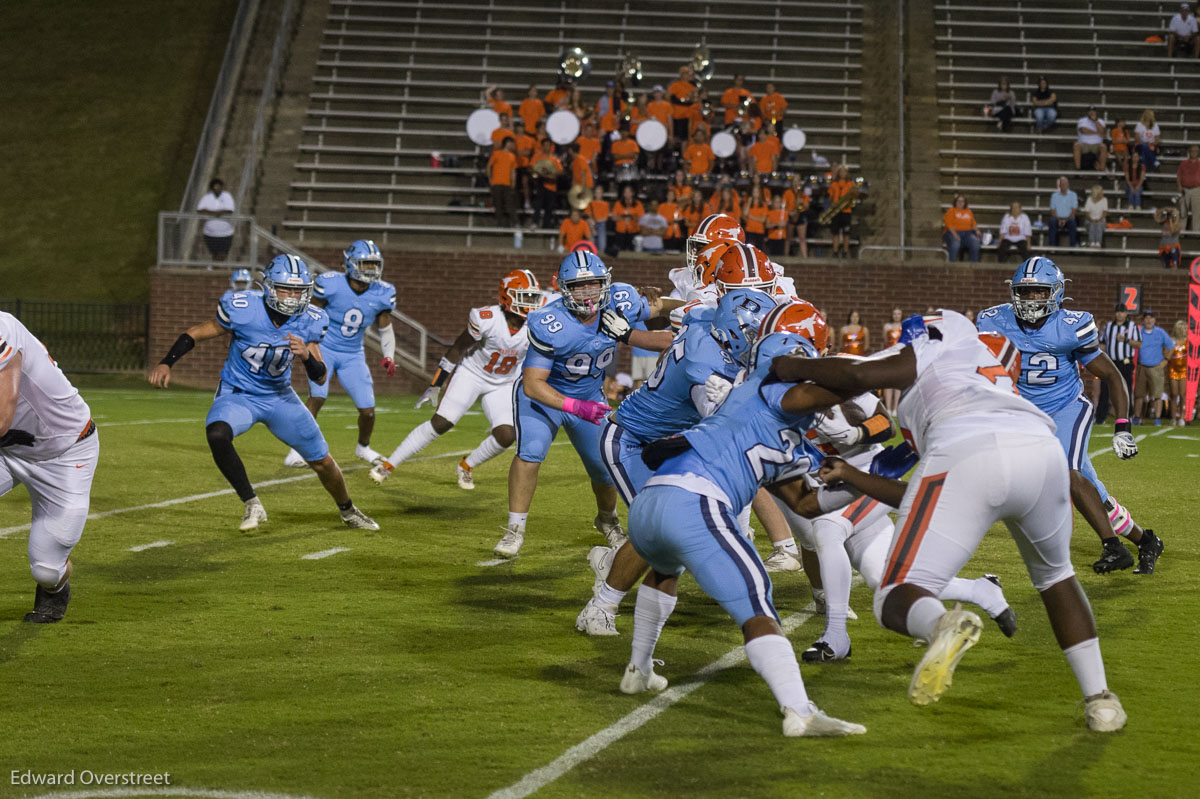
579,366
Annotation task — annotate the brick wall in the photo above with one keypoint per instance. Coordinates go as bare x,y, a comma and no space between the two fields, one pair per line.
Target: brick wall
439,287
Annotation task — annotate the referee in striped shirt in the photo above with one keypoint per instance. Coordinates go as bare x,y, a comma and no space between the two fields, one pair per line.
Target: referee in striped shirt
1120,340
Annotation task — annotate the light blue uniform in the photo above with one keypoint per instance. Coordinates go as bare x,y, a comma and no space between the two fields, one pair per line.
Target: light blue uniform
576,356
256,380
350,314
667,403
685,515
1050,359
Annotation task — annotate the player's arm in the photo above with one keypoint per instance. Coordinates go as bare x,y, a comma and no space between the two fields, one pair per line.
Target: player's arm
10,392
160,375
860,428
798,495
309,354
537,389
850,377
1123,443
446,366
886,490
387,341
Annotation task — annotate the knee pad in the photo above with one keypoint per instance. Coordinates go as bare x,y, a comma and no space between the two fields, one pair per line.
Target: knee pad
46,575
881,596
219,433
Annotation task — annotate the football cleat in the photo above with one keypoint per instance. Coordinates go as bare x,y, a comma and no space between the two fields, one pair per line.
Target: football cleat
634,682
367,454
358,520
1006,620
1149,548
612,531
956,631
48,607
816,724
1104,712
596,619
782,561
600,559
510,544
293,460
381,471
1114,557
466,481
255,514
821,652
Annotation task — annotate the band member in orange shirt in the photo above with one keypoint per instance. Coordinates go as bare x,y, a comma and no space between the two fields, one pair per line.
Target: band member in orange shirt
777,225
556,95
531,109
502,175
856,339
659,108
693,212
581,170
754,218
626,213
495,98
732,99
589,143
599,211
724,201
573,230
548,184
699,156
682,96
840,224
680,186
669,209
504,131
772,104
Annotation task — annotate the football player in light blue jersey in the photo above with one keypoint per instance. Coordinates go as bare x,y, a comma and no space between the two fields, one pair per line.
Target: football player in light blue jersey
354,300
672,399
267,331
241,280
1054,342
561,385
684,519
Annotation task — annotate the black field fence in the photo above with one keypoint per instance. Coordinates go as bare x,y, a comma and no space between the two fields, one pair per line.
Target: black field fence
87,337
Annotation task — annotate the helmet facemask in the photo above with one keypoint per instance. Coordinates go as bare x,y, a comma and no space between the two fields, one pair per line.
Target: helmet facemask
365,270
1030,309
290,305
586,294
524,301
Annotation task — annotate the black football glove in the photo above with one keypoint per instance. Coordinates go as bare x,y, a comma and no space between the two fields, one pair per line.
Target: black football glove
18,438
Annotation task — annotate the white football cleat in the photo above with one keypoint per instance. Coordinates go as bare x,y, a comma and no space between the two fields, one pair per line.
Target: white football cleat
817,725
381,471
254,515
611,531
596,619
783,561
600,559
293,460
956,632
1104,712
510,544
466,481
367,454
358,520
634,682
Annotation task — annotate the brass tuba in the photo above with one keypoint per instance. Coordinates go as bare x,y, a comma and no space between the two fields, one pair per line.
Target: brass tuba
574,64
701,63
629,74
857,193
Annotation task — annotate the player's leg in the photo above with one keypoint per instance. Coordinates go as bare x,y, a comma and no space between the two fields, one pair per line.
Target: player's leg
498,408
229,417
460,394
536,427
317,394
355,377
785,554
830,533
1042,532
585,437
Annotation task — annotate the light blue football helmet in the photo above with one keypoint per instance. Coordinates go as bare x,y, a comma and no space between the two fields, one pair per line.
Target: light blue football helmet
241,280
289,272
1037,272
768,348
576,275
736,322
363,261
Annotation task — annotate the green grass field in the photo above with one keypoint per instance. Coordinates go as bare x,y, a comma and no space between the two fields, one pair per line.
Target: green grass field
400,667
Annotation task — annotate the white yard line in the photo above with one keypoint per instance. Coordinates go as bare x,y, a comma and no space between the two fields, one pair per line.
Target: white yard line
324,553
494,562
151,545
539,778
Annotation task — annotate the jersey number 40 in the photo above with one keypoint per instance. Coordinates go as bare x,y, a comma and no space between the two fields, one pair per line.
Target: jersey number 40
274,360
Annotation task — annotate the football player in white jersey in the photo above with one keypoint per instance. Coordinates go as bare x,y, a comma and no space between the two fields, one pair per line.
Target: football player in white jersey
482,364
987,455
48,443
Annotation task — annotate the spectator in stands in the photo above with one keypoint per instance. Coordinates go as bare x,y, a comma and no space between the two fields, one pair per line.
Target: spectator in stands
1096,211
961,232
547,167
573,230
1120,340
1064,203
526,147
495,98
610,101
839,226
1182,31
1120,143
734,99
1003,105
1187,179
1090,130
531,109
693,212
599,210
658,107
1135,179
578,106
589,145
625,152
777,227
754,217
1045,106
683,97
670,211
764,153
653,227
699,156
1015,230
797,199
562,90
581,170
680,186
773,105
1169,251
724,201
1147,134
1151,372
502,176
702,116
505,131
218,232
626,213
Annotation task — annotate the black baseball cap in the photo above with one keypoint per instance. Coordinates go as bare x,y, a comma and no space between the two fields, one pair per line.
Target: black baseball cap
1148,312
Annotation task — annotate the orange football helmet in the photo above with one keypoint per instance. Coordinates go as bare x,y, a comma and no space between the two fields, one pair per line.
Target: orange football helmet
1005,352
744,266
715,227
709,259
800,317
520,292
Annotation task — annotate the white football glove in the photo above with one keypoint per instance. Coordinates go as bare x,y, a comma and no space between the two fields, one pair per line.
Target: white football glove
614,325
716,389
1124,445
429,395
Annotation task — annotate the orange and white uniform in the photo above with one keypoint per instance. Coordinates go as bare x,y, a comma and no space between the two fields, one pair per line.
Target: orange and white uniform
58,466
1177,363
852,343
488,370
